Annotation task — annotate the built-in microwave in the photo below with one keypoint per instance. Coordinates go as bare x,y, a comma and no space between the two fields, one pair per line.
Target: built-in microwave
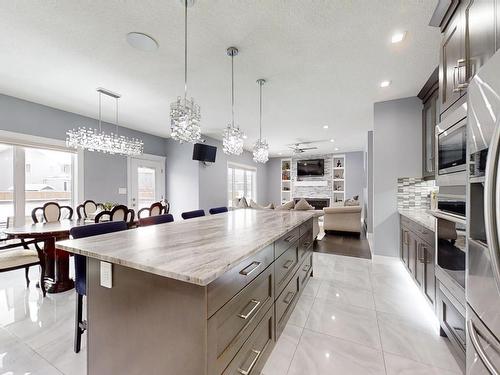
452,149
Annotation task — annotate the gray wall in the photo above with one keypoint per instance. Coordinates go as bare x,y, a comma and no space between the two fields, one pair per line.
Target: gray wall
369,155
274,181
355,174
182,187
103,174
397,151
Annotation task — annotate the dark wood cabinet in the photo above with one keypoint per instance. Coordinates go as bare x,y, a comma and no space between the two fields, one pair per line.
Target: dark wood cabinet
418,254
429,94
452,66
479,20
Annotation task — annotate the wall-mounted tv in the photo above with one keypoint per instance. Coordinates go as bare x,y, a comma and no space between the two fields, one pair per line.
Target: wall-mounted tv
313,167
206,153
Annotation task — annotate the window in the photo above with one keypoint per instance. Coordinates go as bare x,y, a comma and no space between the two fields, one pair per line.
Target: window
146,186
241,182
32,176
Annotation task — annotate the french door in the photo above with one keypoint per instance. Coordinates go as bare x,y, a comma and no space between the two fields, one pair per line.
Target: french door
146,181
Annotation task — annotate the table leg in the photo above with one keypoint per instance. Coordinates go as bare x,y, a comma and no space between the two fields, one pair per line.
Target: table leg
56,269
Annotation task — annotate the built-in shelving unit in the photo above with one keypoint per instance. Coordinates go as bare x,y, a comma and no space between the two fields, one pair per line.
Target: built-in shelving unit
339,172
286,180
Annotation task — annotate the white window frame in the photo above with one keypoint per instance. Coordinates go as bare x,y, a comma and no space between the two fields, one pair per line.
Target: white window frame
246,168
146,157
21,141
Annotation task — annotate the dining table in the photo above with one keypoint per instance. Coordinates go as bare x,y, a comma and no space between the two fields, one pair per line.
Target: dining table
56,276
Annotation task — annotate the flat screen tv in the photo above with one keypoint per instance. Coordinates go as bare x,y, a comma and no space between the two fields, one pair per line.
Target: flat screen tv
206,153
313,167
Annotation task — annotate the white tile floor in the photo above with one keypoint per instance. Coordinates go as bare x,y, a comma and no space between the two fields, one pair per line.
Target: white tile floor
356,316
361,316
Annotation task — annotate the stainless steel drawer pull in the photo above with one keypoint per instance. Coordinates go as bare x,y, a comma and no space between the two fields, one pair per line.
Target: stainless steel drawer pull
306,244
306,268
479,349
252,364
252,310
252,267
288,263
289,297
290,238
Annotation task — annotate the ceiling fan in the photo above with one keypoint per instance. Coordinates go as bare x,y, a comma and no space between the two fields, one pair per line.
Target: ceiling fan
298,148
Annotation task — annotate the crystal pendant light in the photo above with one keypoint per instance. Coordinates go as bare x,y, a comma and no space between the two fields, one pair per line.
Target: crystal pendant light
260,148
184,113
97,140
232,138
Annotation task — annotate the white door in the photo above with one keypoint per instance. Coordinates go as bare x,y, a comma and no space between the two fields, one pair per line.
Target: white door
146,179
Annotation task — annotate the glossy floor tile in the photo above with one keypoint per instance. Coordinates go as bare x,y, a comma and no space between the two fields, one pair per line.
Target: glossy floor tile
381,325
361,316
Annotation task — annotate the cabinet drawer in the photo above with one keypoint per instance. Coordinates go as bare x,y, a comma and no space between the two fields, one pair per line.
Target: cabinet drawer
253,355
428,236
285,303
305,227
305,271
284,268
281,245
305,244
225,287
232,324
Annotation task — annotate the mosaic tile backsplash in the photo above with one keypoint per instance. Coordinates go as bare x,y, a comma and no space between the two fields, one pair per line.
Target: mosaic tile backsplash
413,192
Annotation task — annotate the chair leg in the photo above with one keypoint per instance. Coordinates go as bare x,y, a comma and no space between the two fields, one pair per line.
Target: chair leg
78,321
27,276
42,281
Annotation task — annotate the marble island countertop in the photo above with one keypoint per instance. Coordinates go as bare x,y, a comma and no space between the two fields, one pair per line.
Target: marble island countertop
198,250
420,215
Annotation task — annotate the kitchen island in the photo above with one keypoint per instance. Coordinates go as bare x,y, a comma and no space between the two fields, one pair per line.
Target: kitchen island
204,296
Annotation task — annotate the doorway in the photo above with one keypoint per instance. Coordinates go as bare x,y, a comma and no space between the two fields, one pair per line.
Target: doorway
146,180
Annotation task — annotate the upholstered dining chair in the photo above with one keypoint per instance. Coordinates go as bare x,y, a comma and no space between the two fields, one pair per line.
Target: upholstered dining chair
51,212
217,210
158,219
87,208
117,213
192,214
156,208
81,270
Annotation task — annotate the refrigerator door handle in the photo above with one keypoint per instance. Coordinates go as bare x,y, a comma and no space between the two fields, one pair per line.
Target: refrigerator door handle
492,203
473,335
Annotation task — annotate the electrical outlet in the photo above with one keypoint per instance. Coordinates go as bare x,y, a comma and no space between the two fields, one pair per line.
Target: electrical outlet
106,274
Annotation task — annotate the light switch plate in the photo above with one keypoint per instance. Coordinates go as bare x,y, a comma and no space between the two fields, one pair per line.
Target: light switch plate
122,191
106,274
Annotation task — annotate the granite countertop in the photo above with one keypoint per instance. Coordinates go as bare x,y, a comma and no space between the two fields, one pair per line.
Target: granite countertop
421,216
198,250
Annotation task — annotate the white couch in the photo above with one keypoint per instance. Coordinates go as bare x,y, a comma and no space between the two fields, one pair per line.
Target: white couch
343,219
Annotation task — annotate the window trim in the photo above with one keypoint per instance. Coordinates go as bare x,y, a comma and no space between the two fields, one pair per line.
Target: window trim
244,167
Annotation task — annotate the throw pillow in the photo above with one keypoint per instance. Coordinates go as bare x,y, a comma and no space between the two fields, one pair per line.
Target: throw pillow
253,204
302,205
286,206
351,202
243,203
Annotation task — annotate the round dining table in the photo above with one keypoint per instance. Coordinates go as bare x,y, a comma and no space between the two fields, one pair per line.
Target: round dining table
56,277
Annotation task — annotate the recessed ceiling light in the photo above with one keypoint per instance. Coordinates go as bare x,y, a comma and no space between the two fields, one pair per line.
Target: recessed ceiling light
280,153
332,140
385,83
325,126
142,41
398,37
245,136
336,148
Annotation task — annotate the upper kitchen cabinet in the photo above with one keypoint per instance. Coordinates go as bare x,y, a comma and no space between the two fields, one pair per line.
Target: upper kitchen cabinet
468,41
452,64
479,17
429,94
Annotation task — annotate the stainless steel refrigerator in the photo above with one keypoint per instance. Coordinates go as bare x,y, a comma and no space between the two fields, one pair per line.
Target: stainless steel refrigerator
483,256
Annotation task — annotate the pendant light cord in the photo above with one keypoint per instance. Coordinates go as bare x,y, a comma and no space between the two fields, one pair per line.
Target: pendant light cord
100,99
232,89
260,109
185,47
116,116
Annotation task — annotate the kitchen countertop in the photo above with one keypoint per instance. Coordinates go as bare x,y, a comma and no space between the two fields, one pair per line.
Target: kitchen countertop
421,216
196,251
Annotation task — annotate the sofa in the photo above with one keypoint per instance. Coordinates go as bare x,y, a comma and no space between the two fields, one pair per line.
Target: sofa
343,219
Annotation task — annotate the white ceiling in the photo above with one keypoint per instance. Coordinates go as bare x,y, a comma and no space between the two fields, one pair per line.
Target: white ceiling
323,59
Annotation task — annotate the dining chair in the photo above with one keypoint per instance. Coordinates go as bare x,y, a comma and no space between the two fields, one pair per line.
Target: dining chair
192,214
81,270
217,210
156,208
87,208
117,213
153,220
51,212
